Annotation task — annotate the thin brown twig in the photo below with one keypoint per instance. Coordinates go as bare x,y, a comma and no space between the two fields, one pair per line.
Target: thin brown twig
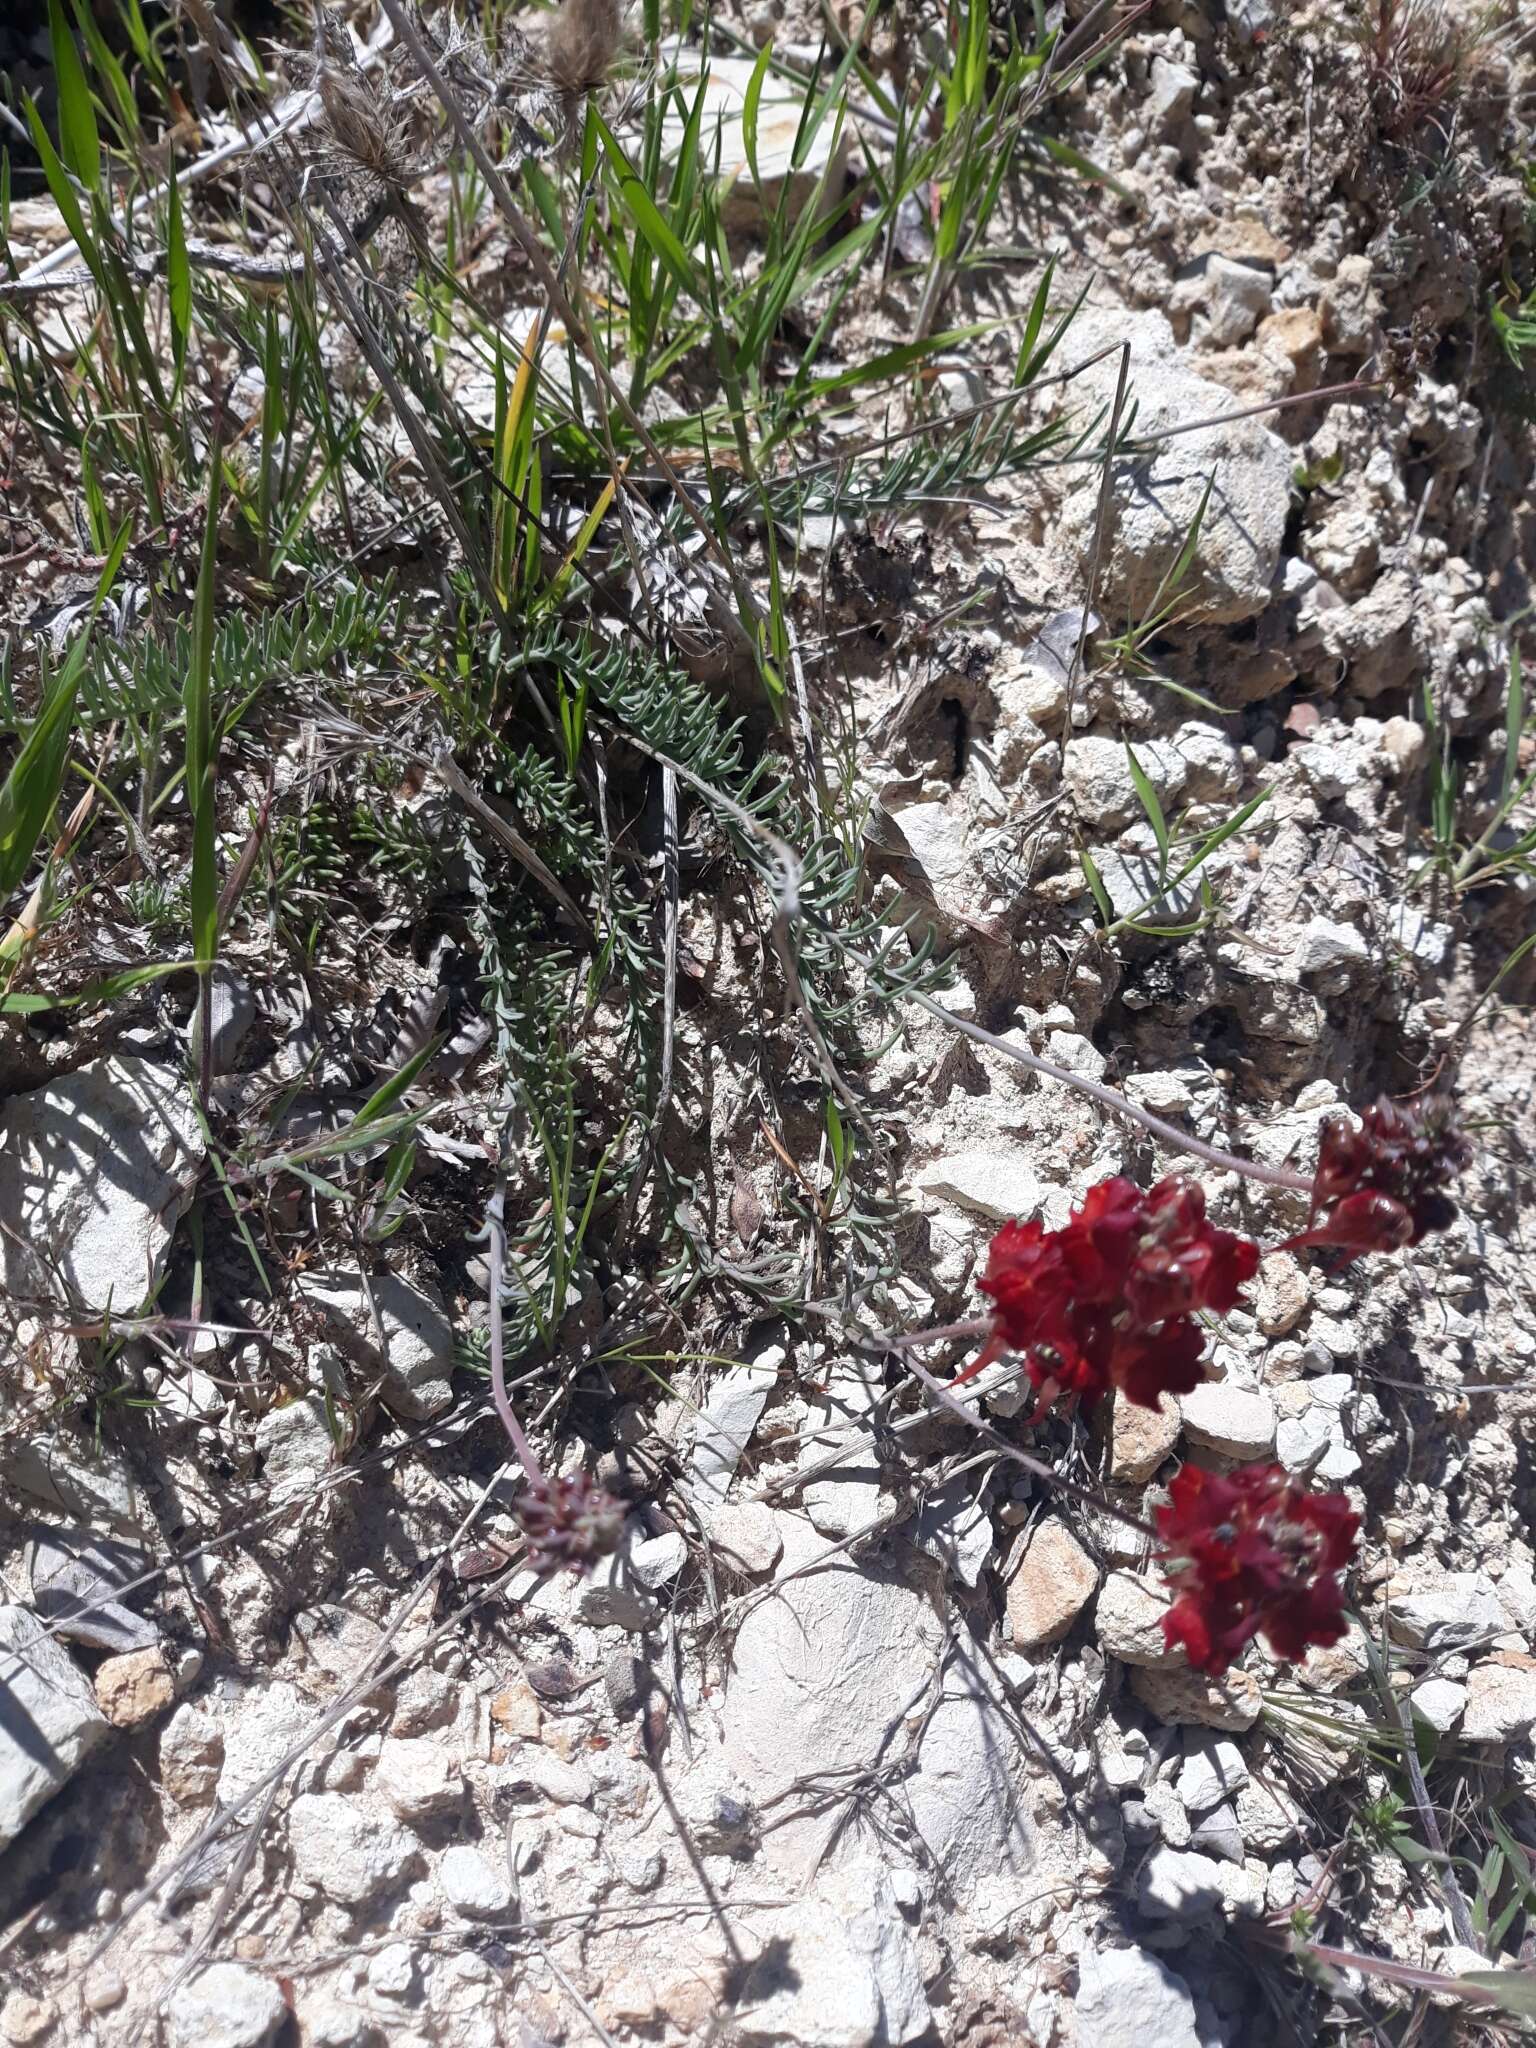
450,772
1434,1841
1084,1495
289,117
1100,530
1110,1098
1357,387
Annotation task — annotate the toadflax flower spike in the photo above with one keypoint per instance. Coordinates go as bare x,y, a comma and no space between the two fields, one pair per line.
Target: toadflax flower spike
1253,1553
1110,1300
1381,1185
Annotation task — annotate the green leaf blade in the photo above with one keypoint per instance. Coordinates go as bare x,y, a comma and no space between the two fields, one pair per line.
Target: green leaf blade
78,137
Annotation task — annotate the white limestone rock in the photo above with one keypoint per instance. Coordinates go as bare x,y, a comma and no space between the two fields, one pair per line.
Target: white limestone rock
1439,1701
1129,1620
49,1719
474,1884
724,1425
346,1852
418,1776
1239,1422
416,1358
226,2006
1501,1703
95,1169
1128,1999
1213,1770
1157,496
746,1537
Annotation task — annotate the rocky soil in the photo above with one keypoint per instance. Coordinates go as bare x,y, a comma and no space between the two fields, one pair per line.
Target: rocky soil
861,1739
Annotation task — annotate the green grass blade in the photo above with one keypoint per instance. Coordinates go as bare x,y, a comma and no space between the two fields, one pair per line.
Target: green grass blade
1514,1990
1222,834
384,1097
647,217
178,277
197,701
1042,355
64,195
1095,882
32,1003
1152,805
78,137
117,97
1034,323
31,789
1173,577
895,362
1514,727
749,109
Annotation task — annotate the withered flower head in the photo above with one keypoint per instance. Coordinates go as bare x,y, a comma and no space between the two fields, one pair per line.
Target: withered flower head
568,1523
582,43
365,128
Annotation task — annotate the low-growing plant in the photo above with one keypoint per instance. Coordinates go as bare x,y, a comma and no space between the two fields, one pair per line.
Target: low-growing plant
1109,1303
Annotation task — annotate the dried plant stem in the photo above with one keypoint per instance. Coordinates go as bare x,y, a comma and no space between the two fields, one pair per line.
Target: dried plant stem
1434,1841
786,872
1112,1100
1099,1502
378,1668
147,265
1357,387
1100,530
1411,1976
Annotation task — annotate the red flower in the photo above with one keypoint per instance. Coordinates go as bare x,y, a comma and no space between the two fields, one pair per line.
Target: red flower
1381,1186
1109,1300
1249,1553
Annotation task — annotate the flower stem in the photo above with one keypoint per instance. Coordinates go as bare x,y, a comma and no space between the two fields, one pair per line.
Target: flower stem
1037,1470
1120,1105
973,1326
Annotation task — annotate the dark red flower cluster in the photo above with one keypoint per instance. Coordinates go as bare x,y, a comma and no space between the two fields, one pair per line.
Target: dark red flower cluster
1249,1553
1110,1300
1382,1185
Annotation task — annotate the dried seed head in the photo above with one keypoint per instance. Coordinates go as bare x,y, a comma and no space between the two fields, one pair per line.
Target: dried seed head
358,116
568,1523
582,44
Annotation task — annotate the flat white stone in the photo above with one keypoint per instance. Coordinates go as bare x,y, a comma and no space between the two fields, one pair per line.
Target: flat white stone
226,2006
49,1720
474,1885
1128,1999
723,148
1439,1701
1239,1422
95,1168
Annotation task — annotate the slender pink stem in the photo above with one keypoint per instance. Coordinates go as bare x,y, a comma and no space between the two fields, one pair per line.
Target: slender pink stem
1120,1105
1033,1466
973,1326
